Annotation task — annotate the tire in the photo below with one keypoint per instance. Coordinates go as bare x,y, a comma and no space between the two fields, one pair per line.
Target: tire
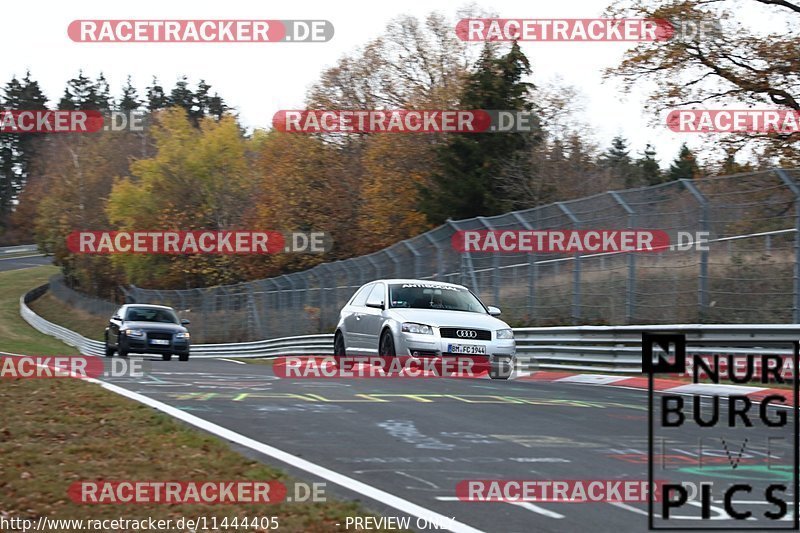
338,345
502,371
183,357
109,350
386,345
166,356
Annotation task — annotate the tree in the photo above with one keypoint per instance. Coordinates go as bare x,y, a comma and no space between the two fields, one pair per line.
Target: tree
156,99
130,99
649,169
198,179
81,93
618,162
470,179
733,66
17,151
685,165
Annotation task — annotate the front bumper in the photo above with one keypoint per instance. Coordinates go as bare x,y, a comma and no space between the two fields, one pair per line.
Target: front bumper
146,346
415,344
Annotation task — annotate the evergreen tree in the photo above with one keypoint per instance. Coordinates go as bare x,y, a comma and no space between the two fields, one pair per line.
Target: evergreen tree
471,182
156,99
617,160
685,165
649,168
83,93
17,151
130,99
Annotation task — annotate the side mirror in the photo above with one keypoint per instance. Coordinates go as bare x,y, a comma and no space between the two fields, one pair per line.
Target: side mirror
494,311
185,321
115,317
375,305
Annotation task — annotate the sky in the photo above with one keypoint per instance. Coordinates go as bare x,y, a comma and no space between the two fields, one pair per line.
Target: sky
258,79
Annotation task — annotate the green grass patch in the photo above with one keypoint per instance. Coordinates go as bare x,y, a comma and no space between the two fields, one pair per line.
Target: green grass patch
87,324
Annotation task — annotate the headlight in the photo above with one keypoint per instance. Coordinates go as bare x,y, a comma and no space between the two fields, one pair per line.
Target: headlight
412,327
134,333
182,335
505,333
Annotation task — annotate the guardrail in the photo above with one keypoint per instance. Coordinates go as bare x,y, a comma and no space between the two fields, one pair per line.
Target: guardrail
19,249
305,345
582,348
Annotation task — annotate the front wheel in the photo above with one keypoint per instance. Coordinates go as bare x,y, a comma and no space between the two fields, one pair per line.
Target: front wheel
109,350
166,356
386,348
183,357
501,368
338,345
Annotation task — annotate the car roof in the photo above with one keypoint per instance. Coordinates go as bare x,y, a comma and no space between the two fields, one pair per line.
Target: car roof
151,306
420,281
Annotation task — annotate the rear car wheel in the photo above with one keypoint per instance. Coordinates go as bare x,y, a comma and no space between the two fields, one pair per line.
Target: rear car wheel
166,356
386,347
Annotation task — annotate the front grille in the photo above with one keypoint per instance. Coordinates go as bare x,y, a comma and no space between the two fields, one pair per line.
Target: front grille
452,333
162,336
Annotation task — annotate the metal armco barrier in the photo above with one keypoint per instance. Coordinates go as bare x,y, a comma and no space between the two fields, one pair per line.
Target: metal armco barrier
581,348
19,249
305,345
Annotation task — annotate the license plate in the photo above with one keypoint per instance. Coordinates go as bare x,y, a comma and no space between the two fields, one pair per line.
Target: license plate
469,349
159,341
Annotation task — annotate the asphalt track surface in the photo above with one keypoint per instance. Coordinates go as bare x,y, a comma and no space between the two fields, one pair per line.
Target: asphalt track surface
417,438
22,262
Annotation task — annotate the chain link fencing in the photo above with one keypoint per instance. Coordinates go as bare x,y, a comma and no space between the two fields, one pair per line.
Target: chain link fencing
749,274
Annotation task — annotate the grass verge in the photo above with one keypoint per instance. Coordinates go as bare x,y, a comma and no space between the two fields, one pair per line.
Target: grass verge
58,431
51,308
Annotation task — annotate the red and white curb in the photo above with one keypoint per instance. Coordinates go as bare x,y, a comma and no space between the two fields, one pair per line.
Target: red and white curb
659,384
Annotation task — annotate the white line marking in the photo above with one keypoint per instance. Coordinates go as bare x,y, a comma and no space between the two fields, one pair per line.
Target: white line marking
21,257
527,505
232,361
334,477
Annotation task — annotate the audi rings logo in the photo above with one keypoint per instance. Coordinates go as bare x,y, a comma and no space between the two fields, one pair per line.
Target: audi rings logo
466,333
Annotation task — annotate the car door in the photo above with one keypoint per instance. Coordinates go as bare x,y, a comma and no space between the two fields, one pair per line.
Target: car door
352,320
372,318
114,325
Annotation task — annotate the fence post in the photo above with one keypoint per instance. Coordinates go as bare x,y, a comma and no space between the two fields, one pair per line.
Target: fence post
630,292
495,265
417,255
790,183
576,269
533,268
467,268
702,297
439,256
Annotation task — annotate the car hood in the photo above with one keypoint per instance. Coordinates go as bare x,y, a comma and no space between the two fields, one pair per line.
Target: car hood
154,326
439,318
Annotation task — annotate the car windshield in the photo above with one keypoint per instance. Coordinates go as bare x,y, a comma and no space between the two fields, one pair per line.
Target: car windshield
424,296
151,314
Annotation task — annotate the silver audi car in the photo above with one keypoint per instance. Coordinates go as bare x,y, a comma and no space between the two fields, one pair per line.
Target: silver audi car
419,318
